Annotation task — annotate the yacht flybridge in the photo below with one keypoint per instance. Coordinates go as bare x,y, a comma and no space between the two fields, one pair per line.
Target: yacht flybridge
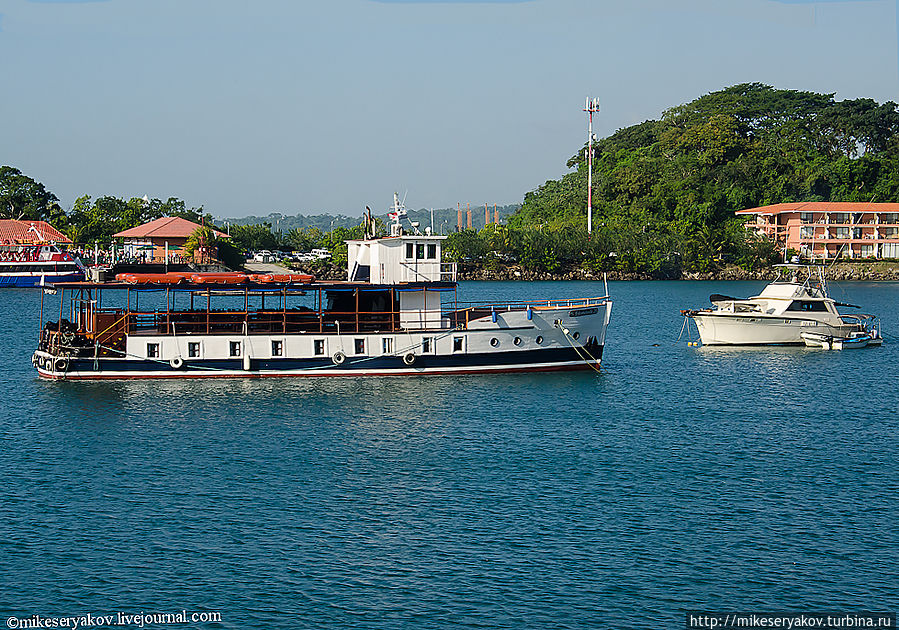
396,314
794,304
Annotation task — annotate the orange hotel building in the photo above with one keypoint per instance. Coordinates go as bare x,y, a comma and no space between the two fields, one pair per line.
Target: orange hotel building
824,230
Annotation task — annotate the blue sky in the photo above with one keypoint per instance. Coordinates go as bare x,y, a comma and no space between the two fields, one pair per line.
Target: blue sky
328,105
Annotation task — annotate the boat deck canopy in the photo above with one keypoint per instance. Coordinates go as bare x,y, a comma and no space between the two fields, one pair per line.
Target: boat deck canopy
256,286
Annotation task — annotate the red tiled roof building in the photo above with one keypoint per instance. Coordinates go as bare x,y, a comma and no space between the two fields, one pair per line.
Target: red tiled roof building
150,240
13,232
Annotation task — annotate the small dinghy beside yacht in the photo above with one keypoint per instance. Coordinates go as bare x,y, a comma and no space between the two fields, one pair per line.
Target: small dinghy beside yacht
795,309
854,340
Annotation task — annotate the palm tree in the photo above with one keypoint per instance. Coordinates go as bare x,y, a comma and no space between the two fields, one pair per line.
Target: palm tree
204,241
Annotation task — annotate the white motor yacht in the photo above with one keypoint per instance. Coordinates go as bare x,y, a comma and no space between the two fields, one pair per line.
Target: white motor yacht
795,303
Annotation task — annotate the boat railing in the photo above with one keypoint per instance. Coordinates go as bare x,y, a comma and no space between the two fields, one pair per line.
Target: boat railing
301,320
862,320
521,305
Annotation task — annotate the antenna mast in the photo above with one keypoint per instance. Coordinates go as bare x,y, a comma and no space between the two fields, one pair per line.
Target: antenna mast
591,107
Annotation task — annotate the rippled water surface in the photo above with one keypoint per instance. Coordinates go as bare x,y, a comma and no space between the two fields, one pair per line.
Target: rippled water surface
678,479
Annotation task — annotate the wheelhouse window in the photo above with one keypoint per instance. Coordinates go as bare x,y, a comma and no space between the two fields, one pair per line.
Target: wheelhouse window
277,347
420,251
432,251
233,348
152,350
359,346
318,347
193,349
410,251
807,306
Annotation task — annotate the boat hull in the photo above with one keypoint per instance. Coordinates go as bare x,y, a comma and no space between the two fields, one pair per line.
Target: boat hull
550,360
544,339
739,330
28,280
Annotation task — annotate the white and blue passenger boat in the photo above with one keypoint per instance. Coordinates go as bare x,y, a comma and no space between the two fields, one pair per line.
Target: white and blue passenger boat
396,314
24,266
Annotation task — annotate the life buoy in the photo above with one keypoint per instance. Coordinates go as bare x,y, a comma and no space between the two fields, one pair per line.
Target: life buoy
409,358
61,365
338,358
176,363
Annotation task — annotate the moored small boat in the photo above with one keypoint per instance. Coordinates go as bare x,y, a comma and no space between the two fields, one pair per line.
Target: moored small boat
794,304
853,340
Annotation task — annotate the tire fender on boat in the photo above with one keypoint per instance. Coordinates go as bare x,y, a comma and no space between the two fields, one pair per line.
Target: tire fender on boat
176,363
338,358
409,358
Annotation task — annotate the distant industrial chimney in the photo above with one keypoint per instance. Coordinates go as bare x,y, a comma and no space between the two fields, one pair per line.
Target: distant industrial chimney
469,216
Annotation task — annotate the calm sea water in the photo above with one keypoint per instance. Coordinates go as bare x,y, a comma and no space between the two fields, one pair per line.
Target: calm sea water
678,479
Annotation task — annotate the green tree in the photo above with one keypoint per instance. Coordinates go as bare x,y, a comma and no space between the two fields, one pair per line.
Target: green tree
24,198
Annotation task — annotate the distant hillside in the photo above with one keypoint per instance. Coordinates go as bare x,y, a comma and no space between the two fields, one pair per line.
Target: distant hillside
665,191
444,219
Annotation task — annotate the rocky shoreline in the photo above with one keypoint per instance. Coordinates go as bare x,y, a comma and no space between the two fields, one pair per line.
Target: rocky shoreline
867,271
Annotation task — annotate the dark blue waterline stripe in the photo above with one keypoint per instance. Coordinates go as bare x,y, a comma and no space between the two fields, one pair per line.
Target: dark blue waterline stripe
523,357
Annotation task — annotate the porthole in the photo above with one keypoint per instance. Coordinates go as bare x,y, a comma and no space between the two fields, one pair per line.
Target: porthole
539,339
517,341
494,342
576,335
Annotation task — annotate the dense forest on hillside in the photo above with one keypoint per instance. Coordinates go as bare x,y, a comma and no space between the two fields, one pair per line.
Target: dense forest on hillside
665,191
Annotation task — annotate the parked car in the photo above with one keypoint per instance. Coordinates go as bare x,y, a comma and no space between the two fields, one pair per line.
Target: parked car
263,256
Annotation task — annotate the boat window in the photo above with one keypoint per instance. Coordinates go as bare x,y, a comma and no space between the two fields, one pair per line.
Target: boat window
807,306
427,344
410,251
458,344
387,345
193,349
277,347
233,348
152,350
359,346
517,341
539,339
420,251
432,252
318,347
494,342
